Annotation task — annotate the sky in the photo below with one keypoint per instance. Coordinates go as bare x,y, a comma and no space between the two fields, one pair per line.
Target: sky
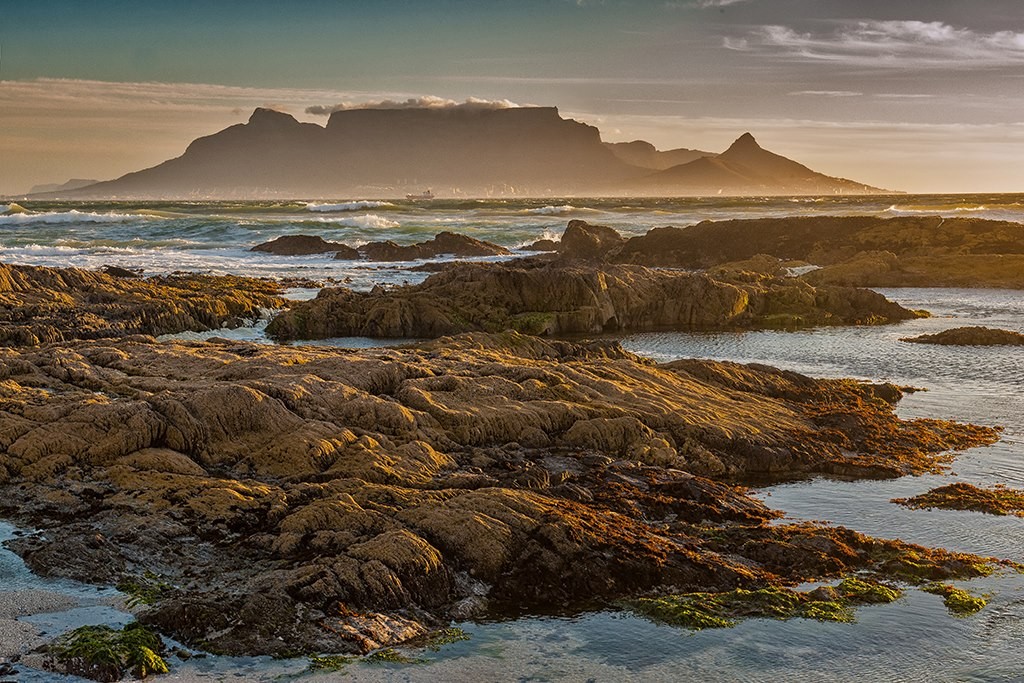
913,95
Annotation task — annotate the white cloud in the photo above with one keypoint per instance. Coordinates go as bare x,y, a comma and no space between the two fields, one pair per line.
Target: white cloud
889,44
427,102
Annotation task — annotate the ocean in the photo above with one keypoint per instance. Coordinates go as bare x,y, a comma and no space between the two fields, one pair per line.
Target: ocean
913,639
215,237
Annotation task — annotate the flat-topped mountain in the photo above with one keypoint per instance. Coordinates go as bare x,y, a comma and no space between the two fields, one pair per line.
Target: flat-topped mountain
527,151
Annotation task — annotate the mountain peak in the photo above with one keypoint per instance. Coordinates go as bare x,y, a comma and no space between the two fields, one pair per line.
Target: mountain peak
263,116
743,143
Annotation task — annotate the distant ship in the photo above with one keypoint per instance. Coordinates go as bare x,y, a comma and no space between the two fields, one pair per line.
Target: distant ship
423,195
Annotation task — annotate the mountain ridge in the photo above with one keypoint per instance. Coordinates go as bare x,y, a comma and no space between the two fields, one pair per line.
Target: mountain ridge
524,151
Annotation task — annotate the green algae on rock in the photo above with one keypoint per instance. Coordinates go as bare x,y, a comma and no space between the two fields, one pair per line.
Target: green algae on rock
958,601
698,611
998,500
103,653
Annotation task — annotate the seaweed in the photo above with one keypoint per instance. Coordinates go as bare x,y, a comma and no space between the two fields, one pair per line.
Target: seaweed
103,653
959,602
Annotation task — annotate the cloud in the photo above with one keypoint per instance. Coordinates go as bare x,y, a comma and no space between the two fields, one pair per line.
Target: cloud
428,102
827,93
889,44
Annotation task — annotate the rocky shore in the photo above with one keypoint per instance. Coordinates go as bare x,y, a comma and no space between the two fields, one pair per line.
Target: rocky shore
565,297
40,305
289,500
858,251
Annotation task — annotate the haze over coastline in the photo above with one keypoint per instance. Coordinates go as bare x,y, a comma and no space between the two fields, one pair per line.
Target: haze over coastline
920,96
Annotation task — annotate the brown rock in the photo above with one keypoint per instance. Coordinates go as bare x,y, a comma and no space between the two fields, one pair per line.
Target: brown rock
304,245
554,298
582,240
970,336
41,305
447,243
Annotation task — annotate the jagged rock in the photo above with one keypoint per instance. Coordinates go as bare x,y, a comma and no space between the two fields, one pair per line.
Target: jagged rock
41,305
970,336
585,241
304,245
553,298
315,499
443,243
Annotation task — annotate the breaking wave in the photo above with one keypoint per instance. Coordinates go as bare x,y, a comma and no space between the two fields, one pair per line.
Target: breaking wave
560,210
73,216
369,220
347,206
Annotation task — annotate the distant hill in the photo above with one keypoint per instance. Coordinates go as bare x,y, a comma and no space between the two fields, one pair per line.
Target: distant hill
529,151
72,184
644,154
747,168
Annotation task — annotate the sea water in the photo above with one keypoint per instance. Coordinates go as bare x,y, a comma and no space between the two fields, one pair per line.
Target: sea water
913,639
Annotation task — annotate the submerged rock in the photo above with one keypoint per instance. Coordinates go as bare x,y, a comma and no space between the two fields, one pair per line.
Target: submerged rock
446,243
40,305
305,245
998,500
557,298
326,500
970,336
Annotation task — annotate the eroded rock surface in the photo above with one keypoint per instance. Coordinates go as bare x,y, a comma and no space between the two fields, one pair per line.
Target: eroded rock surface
40,305
536,296
317,499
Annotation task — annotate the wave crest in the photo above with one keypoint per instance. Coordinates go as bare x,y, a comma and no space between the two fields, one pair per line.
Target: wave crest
369,220
347,206
72,216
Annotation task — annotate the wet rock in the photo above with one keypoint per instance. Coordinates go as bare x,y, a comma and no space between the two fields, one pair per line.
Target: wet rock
117,271
447,243
310,499
304,245
970,336
557,298
41,305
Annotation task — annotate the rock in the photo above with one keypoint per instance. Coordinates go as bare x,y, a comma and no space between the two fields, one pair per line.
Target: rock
581,240
42,305
569,297
998,500
304,245
970,336
314,499
117,271
447,243
543,245
907,251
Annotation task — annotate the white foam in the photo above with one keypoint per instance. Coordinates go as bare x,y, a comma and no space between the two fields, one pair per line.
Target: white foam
559,210
369,220
347,206
72,216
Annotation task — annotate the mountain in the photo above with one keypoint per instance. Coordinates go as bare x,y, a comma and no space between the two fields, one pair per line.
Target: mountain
747,168
72,184
644,154
528,151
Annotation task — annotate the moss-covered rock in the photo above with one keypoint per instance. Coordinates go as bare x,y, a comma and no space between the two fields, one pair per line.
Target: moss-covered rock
103,653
